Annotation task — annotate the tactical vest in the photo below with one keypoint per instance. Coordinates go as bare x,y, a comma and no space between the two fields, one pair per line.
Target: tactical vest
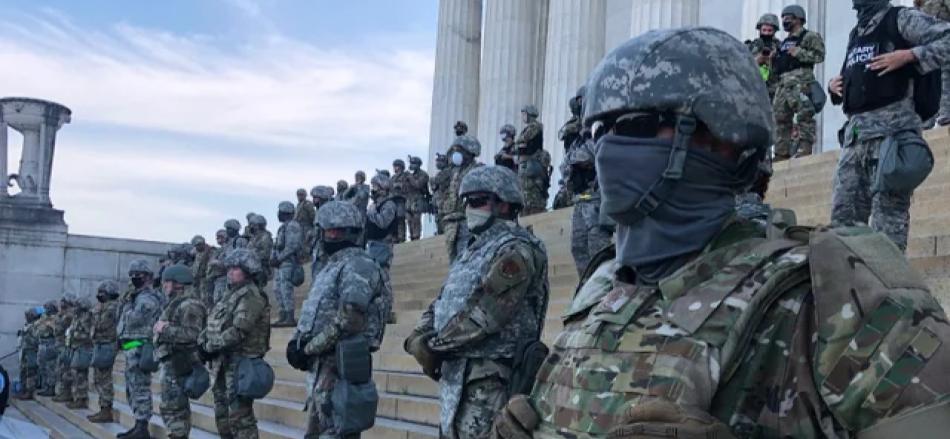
864,89
465,281
132,325
106,319
63,320
784,62
376,233
534,145
173,317
256,341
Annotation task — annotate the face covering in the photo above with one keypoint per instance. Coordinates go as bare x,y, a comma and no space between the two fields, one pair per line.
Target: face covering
867,9
332,247
232,233
101,298
767,38
478,220
787,26
459,133
688,217
457,158
138,281
414,168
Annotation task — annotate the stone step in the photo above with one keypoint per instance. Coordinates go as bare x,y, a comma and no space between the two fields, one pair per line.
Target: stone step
57,426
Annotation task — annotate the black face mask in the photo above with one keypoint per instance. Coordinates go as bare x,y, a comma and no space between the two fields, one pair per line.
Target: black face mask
138,281
767,38
102,298
459,132
284,217
332,247
867,9
788,26
232,233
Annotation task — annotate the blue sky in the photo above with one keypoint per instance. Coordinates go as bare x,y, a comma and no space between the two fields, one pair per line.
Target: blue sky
189,112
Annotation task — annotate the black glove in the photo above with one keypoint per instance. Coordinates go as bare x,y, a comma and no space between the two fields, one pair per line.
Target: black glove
205,356
296,356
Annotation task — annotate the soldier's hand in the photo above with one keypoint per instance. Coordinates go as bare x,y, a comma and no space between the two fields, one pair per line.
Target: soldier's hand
655,418
417,345
892,61
159,326
836,85
516,420
793,51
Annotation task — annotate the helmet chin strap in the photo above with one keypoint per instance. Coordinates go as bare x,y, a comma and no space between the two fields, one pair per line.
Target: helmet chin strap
661,189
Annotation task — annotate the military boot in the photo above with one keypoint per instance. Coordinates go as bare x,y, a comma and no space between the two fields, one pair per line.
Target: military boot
62,398
78,404
25,396
139,431
284,321
46,392
104,416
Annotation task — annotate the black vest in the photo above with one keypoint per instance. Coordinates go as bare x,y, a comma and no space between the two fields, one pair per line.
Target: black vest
784,62
864,90
376,233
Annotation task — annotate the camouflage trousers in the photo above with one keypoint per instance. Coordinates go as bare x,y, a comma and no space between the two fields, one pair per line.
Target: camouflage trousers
102,381
233,415
852,202
283,288
795,125
28,377
535,197
415,225
322,379
400,229
175,408
456,238
588,237
481,400
64,376
138,386
80,384
47,375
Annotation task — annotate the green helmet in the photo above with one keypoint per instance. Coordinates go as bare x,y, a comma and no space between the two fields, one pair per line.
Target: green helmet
768,19
694,74
139,266
197,240
179,274
232,224
498,180
109,288
301,192
382,181
244,259
400,163
415,160
339,215
530,110
285,207
469,144
795,11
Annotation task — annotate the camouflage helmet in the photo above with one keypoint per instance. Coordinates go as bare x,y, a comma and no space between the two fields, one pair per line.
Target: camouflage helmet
342,186
70,297
768,19
695,74
323,192
382,181
82,301
301,191
139,266
469,144
221,233
498,180
232,224
576,103
360,175
249,216
400,163
285,207
109,287
415,160
51,307
258,220
507,130
795,11
530,110
244,259
179,274
339,215
197,240
459,125
581,154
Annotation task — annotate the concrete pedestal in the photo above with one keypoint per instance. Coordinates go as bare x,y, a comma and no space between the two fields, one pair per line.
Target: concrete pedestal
648,15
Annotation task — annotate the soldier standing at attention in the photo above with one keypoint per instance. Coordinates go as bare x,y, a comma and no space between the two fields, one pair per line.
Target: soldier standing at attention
105,320
79,338
305,215
47,355
290,241
29,347
199,269
359,191
490,309
794,65
440,185
216,282
321,195
64,379
702,326
138,313
534,163
417,200
176,346
381,223
589,234
400,193
262,242
349,303
237,328
462,155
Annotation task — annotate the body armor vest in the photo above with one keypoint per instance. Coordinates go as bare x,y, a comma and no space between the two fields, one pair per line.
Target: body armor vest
256,342
376,233
784,62
864,89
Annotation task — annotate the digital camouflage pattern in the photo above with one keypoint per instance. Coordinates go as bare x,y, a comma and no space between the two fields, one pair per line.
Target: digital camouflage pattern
199,270
262,243
105,322
237,326
29,349
750,206
186,316
794,112
439,184
588,233
400,189
138,313
290,241
492,302
349,296
852,203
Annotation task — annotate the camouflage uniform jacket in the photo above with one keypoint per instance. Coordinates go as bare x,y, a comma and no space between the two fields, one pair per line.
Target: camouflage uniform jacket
383,213
418,188
454,207
200,267
937,8
81,328
811,51
531,131
263,243
235,243
931,40
63,320
186,316
106,320
216,266
768,336
306,214
289,242
401,189
29,339
358,194
349,296
750,206
45,328
239,323
570,132
139,312
756,47
493,301
440,188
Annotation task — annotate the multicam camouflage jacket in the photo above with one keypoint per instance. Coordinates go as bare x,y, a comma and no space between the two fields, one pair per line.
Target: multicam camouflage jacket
453,208
239,323
106,316
262,243
820,333
81,328
63,320
186,316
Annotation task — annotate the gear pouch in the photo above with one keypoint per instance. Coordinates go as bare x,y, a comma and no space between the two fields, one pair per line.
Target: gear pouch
103,355
147,361
354,406
197,383
905,162
297,275
81,358
255,378
47,352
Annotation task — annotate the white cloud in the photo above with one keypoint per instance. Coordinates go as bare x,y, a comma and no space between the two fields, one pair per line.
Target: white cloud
293,113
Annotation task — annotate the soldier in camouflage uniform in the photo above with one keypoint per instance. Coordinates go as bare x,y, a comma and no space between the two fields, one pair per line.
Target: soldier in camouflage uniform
305,215
813,333
47,355
237,327
199,269
856,197
64,379
321,195
400,191
289,243
137,314
215,281
176,346
764,48
570,135
492,304
358,193
439,184
588,233
750,204
29,347
417,199
341,188
534,163
508,153
381,221
941,10
105,320
462,154
234,240
348,298
80,338
794,65
262,242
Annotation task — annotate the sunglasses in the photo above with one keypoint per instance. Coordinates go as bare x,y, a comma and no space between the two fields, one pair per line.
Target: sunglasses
642,125
477,201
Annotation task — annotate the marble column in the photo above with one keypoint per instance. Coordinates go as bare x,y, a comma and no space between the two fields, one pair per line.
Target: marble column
3,156
54,118
29,173
455,82
661,14
574,47
512,67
